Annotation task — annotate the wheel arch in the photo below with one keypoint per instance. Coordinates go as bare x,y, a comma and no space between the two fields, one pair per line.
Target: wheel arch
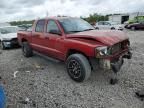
74,51
24,40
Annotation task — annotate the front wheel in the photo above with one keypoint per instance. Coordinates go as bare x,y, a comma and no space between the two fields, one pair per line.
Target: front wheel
26,49
78,67
112,28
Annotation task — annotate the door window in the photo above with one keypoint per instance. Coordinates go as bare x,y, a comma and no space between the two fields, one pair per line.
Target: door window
52,26
100,23
106,23
40,26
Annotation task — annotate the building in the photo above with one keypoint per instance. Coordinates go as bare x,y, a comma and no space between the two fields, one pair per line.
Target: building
121,18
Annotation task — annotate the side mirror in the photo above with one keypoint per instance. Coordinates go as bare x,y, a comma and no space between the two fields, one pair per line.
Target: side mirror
55,32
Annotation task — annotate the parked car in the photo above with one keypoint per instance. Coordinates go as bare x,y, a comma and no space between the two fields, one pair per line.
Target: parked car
8,36
25,26
135,26
77,43
108,25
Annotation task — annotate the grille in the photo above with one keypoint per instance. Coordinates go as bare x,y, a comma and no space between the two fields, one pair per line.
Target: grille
116,48
14,41
119,47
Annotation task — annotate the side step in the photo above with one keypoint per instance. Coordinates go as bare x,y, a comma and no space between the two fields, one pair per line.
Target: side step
46,57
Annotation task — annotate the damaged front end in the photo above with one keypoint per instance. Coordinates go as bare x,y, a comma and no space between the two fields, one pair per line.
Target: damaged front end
113,57
114,63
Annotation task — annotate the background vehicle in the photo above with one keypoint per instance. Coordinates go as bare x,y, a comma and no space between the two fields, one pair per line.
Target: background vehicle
135,20
77,43
108,25
24,26
8,36
135,26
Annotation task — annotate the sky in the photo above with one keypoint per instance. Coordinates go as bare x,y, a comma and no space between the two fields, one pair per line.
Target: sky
13,10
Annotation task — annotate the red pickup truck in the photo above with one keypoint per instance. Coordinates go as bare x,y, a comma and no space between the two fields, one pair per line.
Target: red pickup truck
78,44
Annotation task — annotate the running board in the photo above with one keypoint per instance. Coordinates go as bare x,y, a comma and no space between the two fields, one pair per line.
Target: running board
47,57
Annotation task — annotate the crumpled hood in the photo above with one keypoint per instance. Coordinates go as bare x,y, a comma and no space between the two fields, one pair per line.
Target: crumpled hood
107,37
8,36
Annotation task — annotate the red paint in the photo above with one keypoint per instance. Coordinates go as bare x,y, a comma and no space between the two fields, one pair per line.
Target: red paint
58,46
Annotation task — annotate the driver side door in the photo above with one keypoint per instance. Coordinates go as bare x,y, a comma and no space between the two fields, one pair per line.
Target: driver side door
55,39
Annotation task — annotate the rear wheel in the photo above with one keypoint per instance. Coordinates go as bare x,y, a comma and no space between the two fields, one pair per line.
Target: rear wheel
78,67
26,49
133,28
97,28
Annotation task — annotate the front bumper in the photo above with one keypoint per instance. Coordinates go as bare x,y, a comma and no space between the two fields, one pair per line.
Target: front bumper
10,43
110,64
120,28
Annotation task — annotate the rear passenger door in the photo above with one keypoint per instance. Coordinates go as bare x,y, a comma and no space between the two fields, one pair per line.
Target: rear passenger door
38,36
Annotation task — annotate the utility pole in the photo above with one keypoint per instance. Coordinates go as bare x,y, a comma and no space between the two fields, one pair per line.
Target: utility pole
47,13
137,16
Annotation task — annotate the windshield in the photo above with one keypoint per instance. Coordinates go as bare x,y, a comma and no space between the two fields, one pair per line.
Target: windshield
7,30
75,25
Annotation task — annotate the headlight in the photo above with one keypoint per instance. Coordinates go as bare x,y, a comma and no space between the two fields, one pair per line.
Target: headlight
102,51
7,39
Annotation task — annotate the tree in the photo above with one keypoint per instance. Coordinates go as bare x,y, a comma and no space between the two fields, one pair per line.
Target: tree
92,18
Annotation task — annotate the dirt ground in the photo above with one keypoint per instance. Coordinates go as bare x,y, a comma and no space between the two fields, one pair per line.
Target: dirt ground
39,82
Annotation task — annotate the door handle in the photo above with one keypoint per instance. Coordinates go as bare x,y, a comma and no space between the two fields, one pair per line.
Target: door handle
46,37
36,35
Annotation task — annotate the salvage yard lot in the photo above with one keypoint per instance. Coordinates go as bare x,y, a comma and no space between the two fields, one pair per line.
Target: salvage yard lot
46,84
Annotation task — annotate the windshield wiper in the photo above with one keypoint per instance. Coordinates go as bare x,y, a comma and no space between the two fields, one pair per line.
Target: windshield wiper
73,31
88,29
80,31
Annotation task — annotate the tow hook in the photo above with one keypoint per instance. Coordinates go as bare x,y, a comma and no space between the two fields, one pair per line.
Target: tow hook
128,55
117,65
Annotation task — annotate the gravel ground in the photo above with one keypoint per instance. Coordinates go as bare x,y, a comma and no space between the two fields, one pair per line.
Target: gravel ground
43,83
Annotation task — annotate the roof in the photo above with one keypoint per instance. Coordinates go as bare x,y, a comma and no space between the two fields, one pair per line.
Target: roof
125,14
7,26
56,18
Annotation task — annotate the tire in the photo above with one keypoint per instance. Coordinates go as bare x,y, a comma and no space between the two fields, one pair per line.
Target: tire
112,28
78,67
26,49
133,28
2,46
97,28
